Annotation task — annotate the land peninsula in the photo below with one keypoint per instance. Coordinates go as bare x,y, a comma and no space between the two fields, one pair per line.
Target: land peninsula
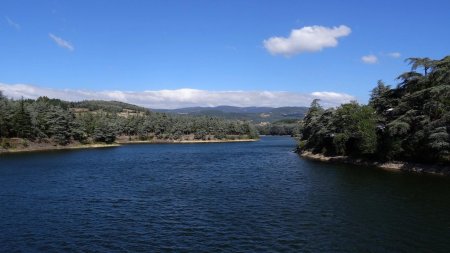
53,124
406,127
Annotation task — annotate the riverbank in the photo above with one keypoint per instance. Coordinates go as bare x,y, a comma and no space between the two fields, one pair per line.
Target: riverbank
389,166
17,145
184,141
37,147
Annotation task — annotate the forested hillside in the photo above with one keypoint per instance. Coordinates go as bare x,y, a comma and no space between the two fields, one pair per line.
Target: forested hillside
281,127
410,122
62,122
256,115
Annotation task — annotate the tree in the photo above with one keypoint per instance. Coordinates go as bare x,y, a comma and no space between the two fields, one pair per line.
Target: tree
4,116
379,97
22,121
425,63
104,130
59,121
410,122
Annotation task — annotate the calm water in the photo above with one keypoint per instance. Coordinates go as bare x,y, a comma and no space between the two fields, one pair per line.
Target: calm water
231,197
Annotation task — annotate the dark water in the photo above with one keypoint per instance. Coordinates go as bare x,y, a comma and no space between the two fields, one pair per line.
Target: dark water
231,197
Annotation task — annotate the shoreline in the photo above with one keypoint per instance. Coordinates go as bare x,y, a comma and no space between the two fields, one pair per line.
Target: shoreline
58,147
121,142
35,147
394,166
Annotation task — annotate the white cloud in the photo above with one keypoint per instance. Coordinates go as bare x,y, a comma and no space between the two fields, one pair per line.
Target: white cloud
182,97
12,23
61,42
306,39
369,59
394,54
330,95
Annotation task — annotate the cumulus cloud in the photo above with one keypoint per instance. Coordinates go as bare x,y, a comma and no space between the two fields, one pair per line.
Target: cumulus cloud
306,39
170,99
394,54
12,23
61,42
369,59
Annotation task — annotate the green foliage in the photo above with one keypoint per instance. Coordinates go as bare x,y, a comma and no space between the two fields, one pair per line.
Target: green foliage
5,143
348,130
281,127
22,121
410,122
378,99
102,121
25,143
340,143
104,130
106,106
255,115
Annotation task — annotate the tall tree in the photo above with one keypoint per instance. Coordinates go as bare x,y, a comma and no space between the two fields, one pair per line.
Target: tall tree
425,63
22,121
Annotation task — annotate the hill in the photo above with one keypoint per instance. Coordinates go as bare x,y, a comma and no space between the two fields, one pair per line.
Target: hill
254,114
44,123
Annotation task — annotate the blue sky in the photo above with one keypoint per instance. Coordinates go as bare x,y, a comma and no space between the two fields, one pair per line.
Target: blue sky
213,46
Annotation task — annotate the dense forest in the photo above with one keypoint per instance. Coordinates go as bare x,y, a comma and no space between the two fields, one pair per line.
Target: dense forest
255,114
410,122
280,127
62,122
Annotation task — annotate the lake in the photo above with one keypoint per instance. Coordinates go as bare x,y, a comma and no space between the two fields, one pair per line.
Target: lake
222,197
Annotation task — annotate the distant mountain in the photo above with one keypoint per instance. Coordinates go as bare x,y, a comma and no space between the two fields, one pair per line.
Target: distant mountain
222,108
254,114
108,106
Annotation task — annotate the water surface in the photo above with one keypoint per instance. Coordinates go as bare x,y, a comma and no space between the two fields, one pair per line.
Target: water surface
224,197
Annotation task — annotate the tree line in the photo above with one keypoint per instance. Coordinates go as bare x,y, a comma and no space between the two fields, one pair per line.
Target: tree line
410,122
281,127
63,122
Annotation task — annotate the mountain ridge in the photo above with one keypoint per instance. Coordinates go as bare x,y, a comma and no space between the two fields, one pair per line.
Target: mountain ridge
253,113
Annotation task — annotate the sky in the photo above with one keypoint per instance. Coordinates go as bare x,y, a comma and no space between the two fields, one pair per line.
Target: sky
171,54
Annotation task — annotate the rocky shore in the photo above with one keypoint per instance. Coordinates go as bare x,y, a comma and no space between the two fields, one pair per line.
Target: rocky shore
433,169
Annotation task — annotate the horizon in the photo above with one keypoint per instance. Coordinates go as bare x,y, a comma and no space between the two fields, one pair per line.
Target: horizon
167,55
181,98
